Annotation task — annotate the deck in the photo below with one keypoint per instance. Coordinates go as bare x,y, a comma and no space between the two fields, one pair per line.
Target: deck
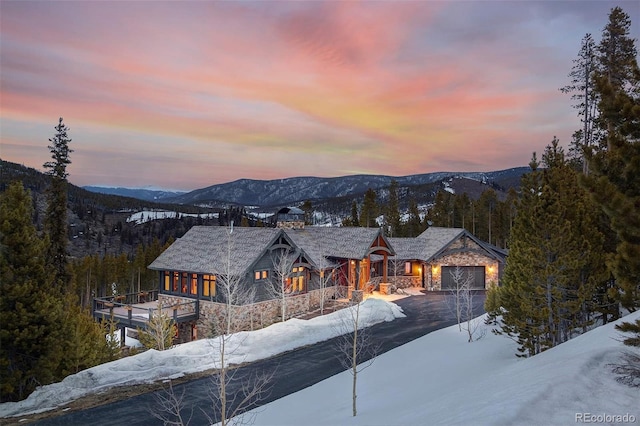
134,309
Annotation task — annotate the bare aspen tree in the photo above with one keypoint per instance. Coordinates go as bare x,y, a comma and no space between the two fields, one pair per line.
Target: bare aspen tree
461,281
230,394
356,348
461,302
326,273
172,406
279,289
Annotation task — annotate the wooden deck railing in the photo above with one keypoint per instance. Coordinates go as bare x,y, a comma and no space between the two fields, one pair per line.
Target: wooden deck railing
129,310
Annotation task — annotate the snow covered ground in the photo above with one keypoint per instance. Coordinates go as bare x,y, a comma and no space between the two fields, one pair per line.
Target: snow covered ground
197,356
439,379
149,215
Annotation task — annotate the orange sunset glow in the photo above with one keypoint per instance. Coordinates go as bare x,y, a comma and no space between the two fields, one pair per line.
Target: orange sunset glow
183,95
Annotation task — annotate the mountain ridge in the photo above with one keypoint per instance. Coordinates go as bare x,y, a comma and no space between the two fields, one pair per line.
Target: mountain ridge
295,190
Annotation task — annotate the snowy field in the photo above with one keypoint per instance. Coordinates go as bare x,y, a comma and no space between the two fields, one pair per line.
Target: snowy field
439,379
149,215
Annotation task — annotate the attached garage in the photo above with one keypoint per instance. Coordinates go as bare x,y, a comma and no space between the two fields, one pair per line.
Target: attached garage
476,273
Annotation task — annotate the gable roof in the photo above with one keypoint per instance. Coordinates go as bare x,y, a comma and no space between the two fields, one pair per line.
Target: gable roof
338,242
435,240
204,249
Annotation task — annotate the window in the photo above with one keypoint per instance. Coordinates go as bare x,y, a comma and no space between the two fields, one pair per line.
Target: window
407,268
261,275
184,282
194,284
167,280
298,284
208,285
176,278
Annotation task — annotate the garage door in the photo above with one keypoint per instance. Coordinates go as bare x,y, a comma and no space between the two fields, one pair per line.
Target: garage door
476,273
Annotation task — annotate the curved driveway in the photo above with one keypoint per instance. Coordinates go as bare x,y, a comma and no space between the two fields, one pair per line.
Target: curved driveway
294,370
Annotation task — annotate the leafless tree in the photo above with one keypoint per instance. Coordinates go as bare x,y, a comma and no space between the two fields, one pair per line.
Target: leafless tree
171,405
461,302
231,395
280,288
227,408
357,351
326,273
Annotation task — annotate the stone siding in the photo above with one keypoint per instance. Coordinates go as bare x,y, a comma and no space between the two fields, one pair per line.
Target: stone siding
400,281
434,279
253,316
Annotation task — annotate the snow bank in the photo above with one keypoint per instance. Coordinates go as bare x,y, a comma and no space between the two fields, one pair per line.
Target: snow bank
440,379
197,356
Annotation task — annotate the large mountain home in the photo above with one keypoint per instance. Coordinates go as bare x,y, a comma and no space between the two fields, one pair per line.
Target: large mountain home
303,267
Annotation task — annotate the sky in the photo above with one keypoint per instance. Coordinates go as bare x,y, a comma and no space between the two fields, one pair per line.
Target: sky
440,377
183,95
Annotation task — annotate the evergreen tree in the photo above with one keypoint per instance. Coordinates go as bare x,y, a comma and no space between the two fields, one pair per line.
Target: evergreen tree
614,178
307,208
392,211
56,215
582,92
414,224
352,220
441,213
369,212
30,315
548,281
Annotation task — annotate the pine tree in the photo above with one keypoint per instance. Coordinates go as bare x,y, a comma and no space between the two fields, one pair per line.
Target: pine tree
414,224
392,211
369,212
582,92
440,214
548,281
30,349
56,215
307,208
614,178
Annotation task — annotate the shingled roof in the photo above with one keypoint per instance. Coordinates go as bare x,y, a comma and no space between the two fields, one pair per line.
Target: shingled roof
337,242
204,249
432,242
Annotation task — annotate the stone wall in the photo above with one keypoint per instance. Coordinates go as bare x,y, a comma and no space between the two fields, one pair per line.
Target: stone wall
434,279
400,281
253,316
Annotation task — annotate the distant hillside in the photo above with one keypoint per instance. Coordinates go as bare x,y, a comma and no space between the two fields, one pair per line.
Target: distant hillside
98,223
139,193
295,190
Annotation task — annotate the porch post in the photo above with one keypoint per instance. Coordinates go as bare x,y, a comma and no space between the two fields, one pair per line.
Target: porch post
384,267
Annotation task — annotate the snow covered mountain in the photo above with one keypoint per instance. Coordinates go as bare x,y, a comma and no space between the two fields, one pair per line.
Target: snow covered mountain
294,190
146,194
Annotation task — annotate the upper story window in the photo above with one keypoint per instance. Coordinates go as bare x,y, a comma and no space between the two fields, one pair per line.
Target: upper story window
261,275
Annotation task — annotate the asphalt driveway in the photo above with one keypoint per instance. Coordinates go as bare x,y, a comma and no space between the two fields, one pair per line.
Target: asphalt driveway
294,370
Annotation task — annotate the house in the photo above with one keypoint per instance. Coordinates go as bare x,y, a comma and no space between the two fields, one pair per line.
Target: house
430,259
326,263
192,267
